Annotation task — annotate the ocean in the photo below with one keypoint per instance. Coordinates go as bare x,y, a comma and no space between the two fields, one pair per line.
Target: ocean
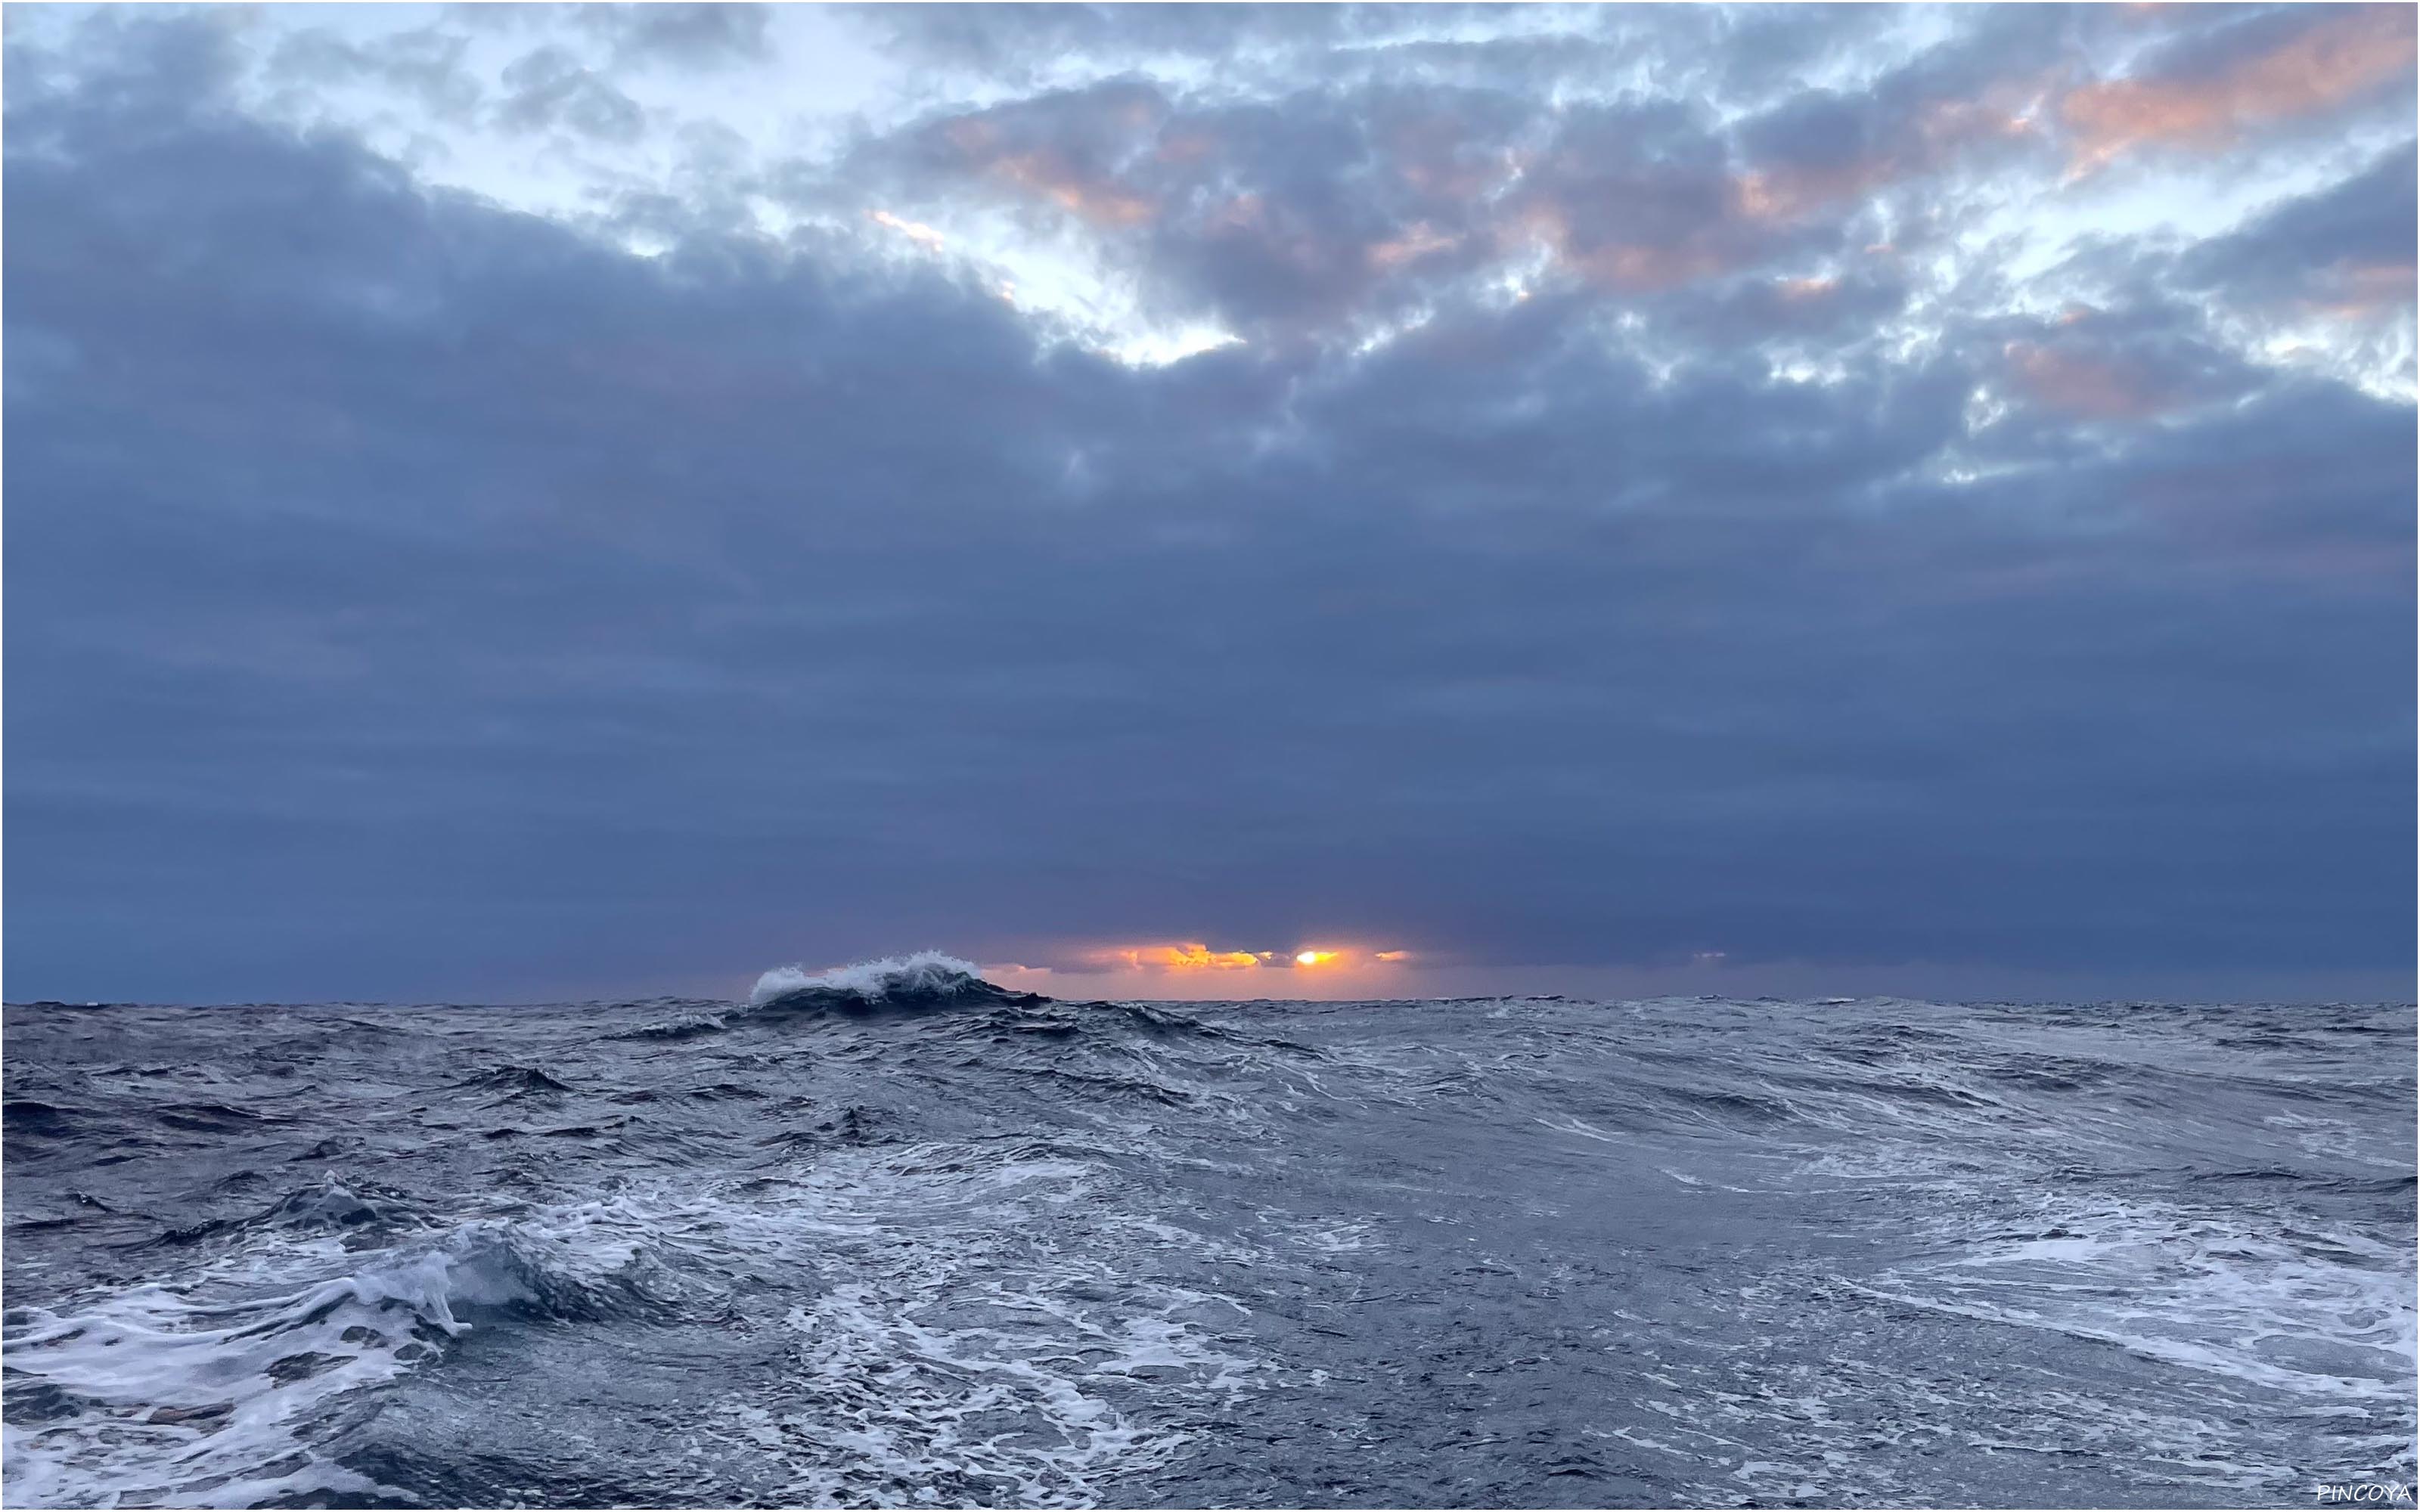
895,1236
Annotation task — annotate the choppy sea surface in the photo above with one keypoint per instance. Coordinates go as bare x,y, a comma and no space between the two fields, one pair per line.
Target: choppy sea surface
895,1236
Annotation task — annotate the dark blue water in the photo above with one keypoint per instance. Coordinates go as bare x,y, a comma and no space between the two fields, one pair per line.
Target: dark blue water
928,1241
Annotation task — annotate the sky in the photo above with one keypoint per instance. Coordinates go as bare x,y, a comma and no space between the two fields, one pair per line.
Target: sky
509,502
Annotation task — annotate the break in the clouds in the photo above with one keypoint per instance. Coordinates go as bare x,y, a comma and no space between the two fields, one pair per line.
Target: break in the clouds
510,500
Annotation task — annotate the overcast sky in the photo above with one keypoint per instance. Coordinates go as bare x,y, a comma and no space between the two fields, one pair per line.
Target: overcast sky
511,502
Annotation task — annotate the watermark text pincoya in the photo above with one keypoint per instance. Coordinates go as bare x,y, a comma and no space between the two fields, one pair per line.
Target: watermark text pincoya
2367,1492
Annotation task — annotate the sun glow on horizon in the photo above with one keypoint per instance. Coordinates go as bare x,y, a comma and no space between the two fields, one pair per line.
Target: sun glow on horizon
1195,969
1193,957
1184,956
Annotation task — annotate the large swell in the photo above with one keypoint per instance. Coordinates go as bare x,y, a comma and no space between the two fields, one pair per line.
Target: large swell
894,1235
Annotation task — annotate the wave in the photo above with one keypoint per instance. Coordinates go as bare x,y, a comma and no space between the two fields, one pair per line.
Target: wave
681,1026
24,1116
362,1211
927,978
515,1080
155,1391
255,1377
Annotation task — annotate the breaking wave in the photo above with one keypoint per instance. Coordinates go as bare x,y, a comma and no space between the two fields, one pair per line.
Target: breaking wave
926,973
927,978
217,1387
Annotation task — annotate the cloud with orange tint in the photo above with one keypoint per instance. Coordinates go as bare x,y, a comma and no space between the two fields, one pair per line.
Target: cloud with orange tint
1183,956
2086,385
2360,292
1190,957
1415,242
1635,200
2326,64
1640,267
2093,364
1097,198
1790,191
1062,150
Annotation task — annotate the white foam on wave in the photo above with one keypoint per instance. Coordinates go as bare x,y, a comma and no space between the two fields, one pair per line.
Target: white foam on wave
173,1402
2327,1315
923,971
980,1315
217,1390
987,1365
679,1027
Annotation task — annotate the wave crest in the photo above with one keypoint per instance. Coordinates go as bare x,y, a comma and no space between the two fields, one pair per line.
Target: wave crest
925,979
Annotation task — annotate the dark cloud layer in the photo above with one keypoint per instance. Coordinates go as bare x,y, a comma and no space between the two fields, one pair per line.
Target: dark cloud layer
409,597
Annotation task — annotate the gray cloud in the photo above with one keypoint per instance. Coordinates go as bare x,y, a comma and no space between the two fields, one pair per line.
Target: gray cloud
714,36
426,63
2350,244
409,597
550,89
1016,41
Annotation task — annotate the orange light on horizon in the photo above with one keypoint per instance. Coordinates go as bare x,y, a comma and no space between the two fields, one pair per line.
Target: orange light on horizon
1190,957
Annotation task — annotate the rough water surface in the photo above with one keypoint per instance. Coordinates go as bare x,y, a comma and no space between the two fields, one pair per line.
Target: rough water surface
895,1236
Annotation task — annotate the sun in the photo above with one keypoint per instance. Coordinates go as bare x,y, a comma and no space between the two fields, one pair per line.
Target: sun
1313,958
